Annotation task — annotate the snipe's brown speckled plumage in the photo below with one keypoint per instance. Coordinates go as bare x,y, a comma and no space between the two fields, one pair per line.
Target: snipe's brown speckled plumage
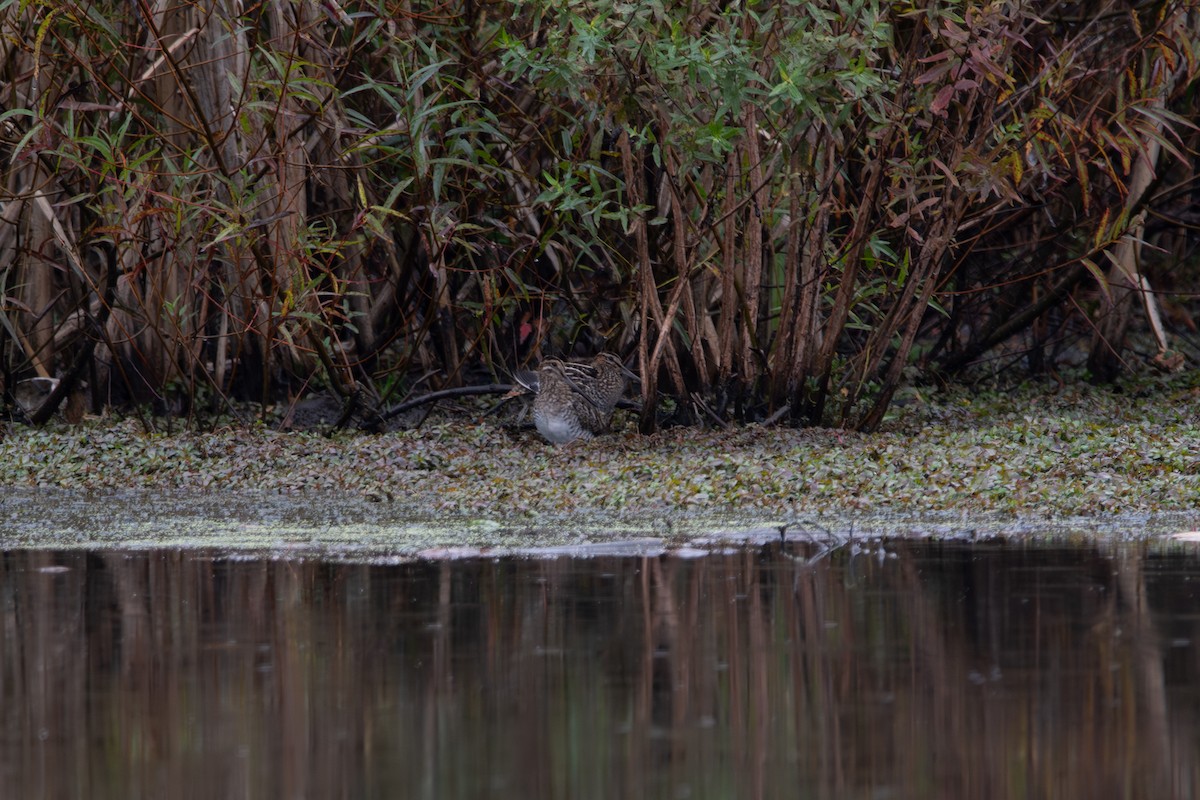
575,399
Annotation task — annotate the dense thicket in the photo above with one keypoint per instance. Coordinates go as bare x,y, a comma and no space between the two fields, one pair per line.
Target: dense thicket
772,208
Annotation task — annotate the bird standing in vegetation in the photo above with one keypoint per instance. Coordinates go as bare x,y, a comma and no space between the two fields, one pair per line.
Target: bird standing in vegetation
575,399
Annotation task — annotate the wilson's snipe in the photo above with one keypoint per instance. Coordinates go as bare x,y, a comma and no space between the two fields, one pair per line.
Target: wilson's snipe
575,399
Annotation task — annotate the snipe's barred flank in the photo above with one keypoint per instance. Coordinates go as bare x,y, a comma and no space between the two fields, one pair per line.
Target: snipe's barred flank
575,399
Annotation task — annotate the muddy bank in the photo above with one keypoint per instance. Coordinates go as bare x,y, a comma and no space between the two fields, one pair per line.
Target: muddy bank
1082,460
331,526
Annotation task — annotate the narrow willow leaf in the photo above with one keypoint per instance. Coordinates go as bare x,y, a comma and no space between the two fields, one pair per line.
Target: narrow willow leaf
1098,274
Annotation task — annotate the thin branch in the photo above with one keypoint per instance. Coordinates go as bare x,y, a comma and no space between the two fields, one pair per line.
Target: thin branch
443,394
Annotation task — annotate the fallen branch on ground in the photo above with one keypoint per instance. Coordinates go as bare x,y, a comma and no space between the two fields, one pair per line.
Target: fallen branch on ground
443,394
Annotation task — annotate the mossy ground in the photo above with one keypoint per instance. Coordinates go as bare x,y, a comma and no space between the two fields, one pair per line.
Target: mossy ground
1078,451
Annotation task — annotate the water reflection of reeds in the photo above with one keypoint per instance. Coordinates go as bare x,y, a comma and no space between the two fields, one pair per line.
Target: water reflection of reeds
934,671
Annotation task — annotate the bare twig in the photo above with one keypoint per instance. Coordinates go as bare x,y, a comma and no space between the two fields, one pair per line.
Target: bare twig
444,394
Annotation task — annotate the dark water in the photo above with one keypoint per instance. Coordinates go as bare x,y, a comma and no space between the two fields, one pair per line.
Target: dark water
926,671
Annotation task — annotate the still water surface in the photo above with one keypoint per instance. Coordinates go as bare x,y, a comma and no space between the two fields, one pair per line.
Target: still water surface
912,670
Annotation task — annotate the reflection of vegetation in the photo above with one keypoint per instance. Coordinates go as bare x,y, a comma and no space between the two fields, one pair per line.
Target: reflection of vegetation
771,206
933,669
